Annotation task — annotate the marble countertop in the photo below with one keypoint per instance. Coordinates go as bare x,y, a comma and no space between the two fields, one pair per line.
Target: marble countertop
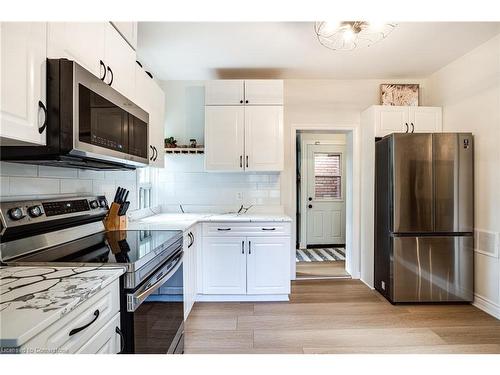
32,298
180,221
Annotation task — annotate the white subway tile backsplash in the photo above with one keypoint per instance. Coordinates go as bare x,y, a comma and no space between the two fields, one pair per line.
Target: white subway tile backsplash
33,185
76,186
44,171
16,169
121,175
92,175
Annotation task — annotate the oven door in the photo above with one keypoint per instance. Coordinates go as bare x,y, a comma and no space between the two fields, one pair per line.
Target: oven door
154,323
107,125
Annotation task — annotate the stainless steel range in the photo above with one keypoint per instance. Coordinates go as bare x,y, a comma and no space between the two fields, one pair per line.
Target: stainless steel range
70,232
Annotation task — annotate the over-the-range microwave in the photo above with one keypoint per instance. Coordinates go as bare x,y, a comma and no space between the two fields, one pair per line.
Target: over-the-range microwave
89,124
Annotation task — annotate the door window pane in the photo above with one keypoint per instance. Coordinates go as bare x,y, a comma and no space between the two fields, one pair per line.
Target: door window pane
327,176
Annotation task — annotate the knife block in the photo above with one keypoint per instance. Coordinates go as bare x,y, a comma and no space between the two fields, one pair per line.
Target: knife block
114,222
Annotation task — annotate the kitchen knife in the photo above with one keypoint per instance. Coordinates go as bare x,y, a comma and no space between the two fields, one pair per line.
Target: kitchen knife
116,195
123,208
120,196
126,195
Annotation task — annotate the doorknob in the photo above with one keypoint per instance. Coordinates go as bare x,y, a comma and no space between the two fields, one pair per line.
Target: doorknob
310,199
310,206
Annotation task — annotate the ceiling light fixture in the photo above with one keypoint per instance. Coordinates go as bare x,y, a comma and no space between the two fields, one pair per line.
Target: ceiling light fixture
349,35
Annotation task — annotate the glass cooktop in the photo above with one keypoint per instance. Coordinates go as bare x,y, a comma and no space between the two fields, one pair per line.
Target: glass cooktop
133,248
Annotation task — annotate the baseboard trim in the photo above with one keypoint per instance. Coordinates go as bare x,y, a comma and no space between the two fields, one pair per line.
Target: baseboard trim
241,297
486,305
368,285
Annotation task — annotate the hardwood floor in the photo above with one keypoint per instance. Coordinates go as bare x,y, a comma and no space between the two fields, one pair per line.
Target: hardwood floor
322,269
339,316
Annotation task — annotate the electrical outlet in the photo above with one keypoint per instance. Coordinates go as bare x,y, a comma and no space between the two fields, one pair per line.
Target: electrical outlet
239,196
383,285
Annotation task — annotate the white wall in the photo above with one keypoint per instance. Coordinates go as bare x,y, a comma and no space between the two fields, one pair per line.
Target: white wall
468,89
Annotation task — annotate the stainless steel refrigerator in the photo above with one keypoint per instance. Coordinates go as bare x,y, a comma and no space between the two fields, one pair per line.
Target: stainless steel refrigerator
424,212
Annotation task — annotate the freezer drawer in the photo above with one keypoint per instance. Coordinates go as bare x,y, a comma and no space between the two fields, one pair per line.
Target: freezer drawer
433,269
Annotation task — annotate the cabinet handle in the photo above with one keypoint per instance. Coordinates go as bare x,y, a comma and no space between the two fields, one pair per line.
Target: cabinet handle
412,128
152,149
249,247
122,339
155,153
223,229
149,74
243,247
44,109
246,101
268,228
76,330
241,101
191,236
407,128
112,76
101,64
241,161
247,161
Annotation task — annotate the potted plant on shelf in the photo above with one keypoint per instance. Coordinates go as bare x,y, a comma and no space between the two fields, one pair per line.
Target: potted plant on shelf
170,142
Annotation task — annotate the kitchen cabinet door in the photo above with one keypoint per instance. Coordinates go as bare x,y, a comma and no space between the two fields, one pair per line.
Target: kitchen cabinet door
268,265
120,62
390,119
106,341
264,138
187,274
224,92
23,75
224,138
263,92
224,265
150,97
128,31
425,119
82,42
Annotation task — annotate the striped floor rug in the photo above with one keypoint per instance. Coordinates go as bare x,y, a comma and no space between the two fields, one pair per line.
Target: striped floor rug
320,255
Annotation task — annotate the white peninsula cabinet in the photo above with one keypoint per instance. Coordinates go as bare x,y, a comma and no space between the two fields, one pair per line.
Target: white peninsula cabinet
245,261
244,125
23,50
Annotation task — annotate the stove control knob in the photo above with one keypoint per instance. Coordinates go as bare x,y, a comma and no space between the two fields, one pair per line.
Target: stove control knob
15,213
103,203
94,204
35,211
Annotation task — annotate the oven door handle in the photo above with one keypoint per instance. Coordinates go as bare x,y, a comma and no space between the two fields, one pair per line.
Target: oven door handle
134,300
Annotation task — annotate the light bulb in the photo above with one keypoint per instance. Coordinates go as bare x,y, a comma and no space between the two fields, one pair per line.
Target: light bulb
348,35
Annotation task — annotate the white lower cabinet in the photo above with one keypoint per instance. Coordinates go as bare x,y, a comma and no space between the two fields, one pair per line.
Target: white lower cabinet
265,271
89,328
190,271
253,263
224,265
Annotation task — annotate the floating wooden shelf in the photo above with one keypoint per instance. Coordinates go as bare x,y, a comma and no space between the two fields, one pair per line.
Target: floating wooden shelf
185,150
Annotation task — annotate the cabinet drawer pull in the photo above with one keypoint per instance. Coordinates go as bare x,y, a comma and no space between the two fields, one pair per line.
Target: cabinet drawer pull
243,247
249,247
412,127
247,160
44,109
76,330
152,149
122,339
101,64
241,161
268,228
407,127
223,229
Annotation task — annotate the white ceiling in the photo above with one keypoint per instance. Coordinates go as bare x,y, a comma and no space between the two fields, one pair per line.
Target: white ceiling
192,51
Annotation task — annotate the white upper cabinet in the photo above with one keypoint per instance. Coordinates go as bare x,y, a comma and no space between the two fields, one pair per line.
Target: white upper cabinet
224,138
425,119
150,97
244,125
264,138
82,42
22,85
120,62
406,119
224,92
244,92
264,92
128,31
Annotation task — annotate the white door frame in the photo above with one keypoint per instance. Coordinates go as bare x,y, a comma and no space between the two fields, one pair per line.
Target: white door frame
304,179
353,188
